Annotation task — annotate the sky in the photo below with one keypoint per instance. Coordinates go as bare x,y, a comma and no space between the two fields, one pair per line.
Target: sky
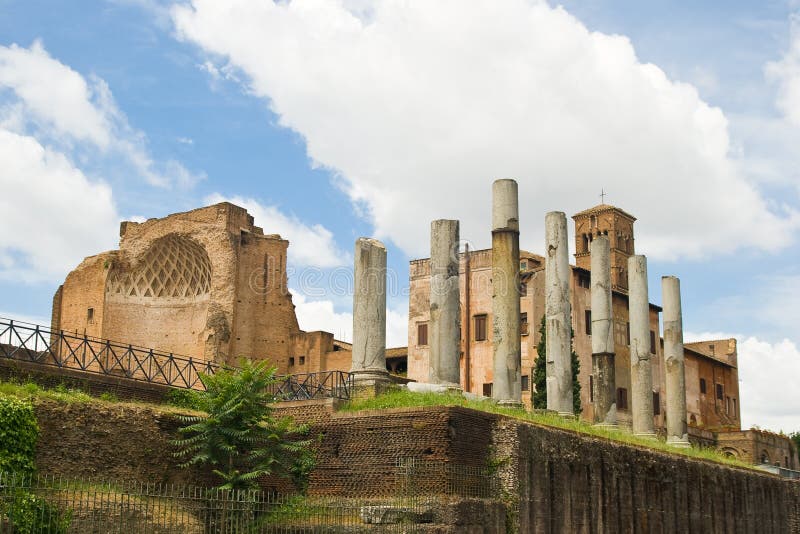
334,119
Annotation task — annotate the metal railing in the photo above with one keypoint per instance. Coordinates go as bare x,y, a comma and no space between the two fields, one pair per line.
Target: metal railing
305,386
42,503
65,350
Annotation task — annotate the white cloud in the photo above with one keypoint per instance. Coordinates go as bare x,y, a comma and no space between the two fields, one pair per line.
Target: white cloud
52,214
57,104
786,73
766,374
321,315
311,246
417,106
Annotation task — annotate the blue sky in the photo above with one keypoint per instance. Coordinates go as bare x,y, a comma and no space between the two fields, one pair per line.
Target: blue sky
332,120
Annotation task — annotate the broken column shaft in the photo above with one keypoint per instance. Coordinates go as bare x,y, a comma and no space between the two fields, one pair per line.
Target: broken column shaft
603,370
641,373
677,431
445,305
558,314
369,312
507,386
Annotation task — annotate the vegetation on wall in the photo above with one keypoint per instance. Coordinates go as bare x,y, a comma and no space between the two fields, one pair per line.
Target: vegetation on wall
238,436
539,391
18,435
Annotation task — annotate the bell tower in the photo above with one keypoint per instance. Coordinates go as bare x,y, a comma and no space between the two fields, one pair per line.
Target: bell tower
610,221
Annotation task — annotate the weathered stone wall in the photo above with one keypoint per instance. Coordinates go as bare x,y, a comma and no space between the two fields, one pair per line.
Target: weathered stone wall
110,441
571,483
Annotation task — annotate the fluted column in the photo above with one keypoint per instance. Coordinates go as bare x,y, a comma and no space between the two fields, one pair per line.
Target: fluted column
558,313
507,381
677,431
445,305
641,373
603,370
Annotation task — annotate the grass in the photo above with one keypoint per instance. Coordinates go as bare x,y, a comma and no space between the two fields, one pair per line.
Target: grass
61,393
400,398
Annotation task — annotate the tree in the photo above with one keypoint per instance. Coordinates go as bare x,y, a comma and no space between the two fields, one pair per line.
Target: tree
795,437
539,393
238,436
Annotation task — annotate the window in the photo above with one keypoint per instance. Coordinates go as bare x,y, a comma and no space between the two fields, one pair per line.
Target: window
594,221
734,408
302,360
584,281
652,342
591,388
702,385
422,334
622,399
480,328
523,323
523,265
656,403
720,392
526,383
727,405
90,314
587,317
628,333
487,390
291,361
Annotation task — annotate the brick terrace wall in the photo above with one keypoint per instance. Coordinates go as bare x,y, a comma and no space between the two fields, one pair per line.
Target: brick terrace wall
571,483
358,452
565,482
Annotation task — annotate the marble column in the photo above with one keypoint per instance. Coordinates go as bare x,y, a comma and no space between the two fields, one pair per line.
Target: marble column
369,313
558,312
507,381
445,305
641,373
603,370
677,431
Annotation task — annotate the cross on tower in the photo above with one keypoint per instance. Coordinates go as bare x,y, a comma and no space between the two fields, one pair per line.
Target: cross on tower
602,196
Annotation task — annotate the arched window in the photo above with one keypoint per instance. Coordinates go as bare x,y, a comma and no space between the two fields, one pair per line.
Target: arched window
594,221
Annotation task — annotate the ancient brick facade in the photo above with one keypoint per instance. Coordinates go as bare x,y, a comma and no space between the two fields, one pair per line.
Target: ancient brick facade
206,283
760,447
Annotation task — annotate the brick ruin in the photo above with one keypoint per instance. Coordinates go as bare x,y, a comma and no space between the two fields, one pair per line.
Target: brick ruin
206,283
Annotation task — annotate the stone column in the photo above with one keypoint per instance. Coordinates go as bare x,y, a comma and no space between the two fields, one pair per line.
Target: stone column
369,313
604,383
558,312
507,385
641,373
677,431
445,305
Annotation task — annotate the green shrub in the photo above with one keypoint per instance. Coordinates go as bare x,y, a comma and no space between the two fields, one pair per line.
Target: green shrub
30,514
185,398
238,436
18,435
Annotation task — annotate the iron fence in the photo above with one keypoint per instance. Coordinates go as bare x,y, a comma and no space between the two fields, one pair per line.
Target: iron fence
57,505
65,350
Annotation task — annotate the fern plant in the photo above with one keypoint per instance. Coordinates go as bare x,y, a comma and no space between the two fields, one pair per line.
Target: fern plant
238,436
